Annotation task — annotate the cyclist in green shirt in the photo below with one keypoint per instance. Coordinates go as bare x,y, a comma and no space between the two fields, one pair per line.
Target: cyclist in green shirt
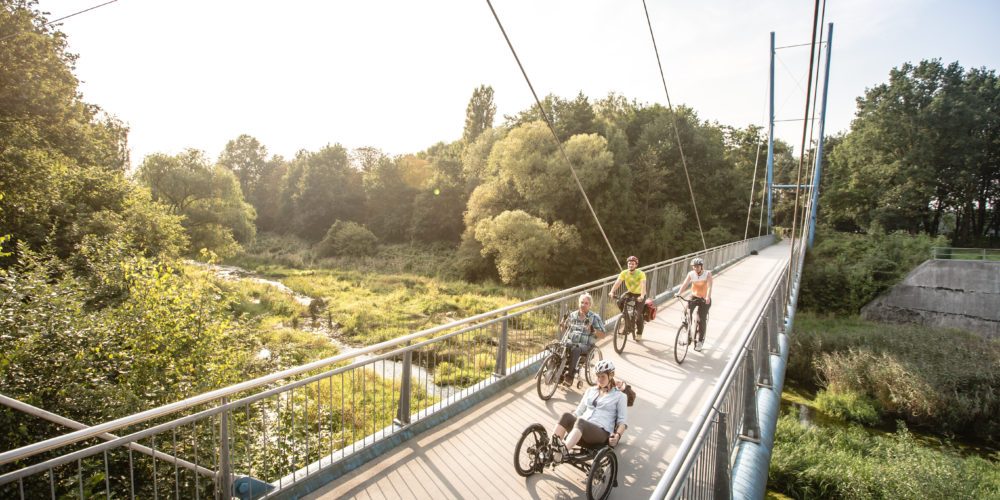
635,284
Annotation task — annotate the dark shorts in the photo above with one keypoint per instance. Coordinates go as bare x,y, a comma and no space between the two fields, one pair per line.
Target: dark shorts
592,434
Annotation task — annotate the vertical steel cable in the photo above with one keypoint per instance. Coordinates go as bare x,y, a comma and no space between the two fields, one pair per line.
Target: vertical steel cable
677,133
805,129
753,181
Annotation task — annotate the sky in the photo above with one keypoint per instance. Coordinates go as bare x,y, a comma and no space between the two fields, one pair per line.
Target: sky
398,74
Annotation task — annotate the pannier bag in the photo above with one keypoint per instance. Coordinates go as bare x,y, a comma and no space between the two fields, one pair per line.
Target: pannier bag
629,394
650,313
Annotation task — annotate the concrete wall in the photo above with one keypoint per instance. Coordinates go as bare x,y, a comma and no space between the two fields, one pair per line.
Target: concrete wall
944,293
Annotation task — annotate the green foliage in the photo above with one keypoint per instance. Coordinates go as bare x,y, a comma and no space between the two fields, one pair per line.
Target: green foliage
62,162
368,307
524,245
941,380
811,461
318,189
347,238
849,406
464,372
245,157
529,159
479,113
294,347
209,198
845,271
921,150
388,195
442,199
165,337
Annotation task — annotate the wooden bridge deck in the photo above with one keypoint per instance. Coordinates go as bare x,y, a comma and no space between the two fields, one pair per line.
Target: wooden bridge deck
472,456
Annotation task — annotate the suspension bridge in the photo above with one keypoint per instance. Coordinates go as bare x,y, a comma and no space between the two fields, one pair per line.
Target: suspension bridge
373,423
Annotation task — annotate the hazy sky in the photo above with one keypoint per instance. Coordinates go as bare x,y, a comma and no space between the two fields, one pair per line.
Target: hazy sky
398,74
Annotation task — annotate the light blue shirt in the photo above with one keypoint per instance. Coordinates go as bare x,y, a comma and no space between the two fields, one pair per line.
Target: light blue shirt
603,410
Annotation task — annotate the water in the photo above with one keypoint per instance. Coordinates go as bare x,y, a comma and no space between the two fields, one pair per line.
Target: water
387,368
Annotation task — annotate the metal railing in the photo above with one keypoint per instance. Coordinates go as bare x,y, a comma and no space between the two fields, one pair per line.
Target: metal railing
267,436
702,467
950,253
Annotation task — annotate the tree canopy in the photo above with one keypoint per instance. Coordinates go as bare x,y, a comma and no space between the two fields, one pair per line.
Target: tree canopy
922,156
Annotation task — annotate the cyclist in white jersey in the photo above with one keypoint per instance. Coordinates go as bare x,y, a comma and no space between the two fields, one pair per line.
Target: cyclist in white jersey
700,280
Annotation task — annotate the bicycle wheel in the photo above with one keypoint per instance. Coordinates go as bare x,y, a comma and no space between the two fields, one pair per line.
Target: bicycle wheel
548,377
682,342
621,333
529,454
603,475
593,358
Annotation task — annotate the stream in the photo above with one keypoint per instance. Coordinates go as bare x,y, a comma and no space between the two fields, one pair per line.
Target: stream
388,368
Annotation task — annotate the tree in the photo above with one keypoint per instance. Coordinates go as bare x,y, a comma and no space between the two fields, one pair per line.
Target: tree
322,188
388,196
525,246
208,197
441,199
62,161
530,160
479,113
266,197
568,117
246,157
922,149
347,238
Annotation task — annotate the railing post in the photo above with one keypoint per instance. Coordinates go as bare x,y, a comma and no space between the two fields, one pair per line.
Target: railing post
751,426
225,482
764,360
722,488
772,333
403,412
500,369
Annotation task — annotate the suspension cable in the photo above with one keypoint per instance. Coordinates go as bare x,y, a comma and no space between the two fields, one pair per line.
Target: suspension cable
552,129
813,150
753,181
760,222
48,23
673,121
802,154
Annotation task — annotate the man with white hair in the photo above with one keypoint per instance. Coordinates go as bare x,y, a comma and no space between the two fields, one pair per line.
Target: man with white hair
582,327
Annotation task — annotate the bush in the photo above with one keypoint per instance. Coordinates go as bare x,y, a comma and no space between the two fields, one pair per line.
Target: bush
813,461
943,380
347,238
845,271
850,406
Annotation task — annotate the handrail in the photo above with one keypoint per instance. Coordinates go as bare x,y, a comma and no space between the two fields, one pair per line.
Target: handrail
97,430
668,483
957,253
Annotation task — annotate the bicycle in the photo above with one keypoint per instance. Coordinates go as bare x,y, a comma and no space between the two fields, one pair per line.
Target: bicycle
534,452
684,339
627,323
554,367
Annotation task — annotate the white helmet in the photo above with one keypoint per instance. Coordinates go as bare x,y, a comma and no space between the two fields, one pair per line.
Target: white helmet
697,261
604,366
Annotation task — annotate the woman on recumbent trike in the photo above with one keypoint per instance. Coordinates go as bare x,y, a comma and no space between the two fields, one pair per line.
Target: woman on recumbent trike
597,425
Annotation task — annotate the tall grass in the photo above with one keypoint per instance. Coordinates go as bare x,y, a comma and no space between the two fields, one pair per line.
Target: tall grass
271,251
944,381
815,461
